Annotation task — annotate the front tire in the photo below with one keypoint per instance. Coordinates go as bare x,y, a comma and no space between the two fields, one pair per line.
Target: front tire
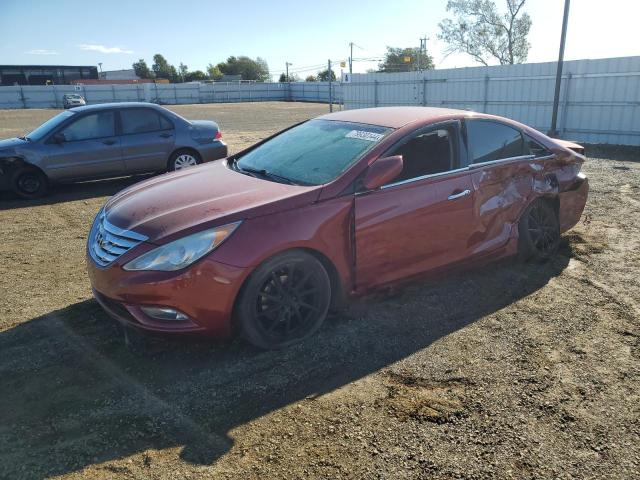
29,183
284,301
183,159
539,232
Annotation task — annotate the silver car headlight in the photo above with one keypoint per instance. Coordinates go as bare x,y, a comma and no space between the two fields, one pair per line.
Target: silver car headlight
182,252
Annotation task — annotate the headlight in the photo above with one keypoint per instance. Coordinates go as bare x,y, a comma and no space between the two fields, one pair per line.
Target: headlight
183,252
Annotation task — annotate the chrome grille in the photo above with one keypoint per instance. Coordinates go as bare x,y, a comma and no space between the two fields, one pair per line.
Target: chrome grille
108,242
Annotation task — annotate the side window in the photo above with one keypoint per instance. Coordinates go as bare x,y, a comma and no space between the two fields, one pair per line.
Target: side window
489,141
534,148
165,124
142,120
94,125
425,154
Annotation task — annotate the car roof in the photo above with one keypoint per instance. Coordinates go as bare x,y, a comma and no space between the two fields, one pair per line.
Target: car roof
102,106
396,117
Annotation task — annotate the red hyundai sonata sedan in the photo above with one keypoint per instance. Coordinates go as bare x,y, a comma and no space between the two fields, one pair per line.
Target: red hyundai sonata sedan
268,240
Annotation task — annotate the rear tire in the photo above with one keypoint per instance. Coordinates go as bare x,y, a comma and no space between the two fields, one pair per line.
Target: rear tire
29,183
182,159
284,301
539,232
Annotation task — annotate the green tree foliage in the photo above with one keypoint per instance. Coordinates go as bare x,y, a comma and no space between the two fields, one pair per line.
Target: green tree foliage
162,69
311,78
142,69
184,71
395,60
195,76
323,75
214,72
479,30
249,69
283,78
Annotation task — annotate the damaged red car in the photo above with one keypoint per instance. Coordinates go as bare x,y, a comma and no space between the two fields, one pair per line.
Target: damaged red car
268,240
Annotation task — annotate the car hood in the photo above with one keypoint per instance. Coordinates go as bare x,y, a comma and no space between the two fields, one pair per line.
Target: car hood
11,143
174,204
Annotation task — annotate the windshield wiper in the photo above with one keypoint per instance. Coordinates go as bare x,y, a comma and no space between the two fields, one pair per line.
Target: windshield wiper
25,138
265,173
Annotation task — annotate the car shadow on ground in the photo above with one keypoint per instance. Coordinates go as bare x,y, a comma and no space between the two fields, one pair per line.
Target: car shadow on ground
73,395
71,192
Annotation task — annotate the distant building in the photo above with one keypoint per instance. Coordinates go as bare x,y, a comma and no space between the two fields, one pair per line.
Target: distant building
127,74
45,74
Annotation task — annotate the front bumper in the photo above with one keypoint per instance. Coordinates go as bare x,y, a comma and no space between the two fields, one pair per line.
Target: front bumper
205,292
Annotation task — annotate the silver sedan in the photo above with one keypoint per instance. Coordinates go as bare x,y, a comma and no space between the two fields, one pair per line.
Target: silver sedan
107,140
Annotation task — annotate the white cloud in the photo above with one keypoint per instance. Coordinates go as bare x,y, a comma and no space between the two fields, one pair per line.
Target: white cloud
42,51
103,49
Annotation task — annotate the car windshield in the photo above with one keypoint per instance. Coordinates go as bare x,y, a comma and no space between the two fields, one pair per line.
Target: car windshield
313,153
49,125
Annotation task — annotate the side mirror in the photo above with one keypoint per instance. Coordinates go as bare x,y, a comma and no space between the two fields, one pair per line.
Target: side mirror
382,171
58,138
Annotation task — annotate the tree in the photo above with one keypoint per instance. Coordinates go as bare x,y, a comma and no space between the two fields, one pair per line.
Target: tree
249,69
283,78
162,69
481,31
195,76
311,78
405,60
214,72
142,69
323,75
184,71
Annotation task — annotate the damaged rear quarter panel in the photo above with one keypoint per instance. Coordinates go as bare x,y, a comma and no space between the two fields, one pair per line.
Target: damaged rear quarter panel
503,190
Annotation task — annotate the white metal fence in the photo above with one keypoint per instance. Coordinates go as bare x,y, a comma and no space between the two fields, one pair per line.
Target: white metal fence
599,99
169,94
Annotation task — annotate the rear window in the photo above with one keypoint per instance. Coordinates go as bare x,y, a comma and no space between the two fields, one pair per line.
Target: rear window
142,120
490,141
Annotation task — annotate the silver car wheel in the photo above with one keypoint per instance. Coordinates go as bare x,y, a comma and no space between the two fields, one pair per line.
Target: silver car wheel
184,161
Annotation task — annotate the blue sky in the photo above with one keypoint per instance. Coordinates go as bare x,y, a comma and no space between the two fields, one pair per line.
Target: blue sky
305,33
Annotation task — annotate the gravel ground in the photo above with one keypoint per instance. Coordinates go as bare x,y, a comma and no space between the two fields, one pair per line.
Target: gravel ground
511,371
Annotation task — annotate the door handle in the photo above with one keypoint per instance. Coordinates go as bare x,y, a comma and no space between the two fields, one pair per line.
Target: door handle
455,196
108,142
165,135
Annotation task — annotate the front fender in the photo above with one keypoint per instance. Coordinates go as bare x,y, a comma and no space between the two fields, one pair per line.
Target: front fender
323,227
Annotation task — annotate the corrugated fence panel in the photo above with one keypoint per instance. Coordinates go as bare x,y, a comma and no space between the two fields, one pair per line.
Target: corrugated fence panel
599,99
50,96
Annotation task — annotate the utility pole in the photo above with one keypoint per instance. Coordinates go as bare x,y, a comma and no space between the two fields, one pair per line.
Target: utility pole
100,66
556,99
422,52
287,64
330,94
351,58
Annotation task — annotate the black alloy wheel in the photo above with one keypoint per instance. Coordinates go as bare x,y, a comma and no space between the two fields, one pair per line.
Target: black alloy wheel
539,231
285,301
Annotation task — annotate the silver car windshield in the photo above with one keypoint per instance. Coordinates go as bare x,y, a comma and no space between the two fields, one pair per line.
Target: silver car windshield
49,125
313,153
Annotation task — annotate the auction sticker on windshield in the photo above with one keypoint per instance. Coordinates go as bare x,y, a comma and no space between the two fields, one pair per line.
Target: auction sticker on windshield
362,135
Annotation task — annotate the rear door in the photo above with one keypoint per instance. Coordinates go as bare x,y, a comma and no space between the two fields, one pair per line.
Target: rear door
147,137
503,171
90,148
422,219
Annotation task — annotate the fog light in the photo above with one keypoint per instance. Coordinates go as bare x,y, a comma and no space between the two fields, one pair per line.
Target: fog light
164,313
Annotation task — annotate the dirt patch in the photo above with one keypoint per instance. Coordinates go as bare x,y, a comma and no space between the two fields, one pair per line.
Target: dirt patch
415,398
512,371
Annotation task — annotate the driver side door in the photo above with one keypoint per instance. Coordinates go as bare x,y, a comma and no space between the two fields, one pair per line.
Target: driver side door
421,220
90,149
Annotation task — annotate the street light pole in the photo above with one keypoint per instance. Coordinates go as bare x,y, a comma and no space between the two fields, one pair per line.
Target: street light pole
351,58
287,64
556,99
